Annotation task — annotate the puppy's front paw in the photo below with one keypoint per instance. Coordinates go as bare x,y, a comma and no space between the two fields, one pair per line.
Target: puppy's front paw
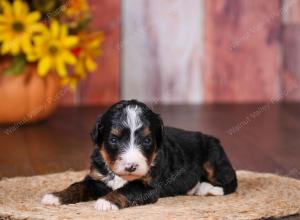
50,199
103,205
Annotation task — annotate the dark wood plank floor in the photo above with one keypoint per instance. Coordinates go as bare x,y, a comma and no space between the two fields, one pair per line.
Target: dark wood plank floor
258,137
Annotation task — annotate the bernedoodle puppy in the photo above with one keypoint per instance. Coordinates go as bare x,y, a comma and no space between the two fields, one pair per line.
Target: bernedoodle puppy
137,160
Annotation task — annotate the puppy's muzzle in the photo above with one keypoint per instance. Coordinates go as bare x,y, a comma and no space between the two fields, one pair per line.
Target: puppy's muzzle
131,167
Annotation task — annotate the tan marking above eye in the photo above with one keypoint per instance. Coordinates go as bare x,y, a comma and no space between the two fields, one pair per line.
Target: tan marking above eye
115,131
146,131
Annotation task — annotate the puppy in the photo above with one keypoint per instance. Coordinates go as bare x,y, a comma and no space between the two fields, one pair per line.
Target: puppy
137,160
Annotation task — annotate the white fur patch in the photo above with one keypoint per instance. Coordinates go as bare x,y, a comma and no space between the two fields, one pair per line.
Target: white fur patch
115,183
103,205
50,199
193,190
204,189
133,121
132,154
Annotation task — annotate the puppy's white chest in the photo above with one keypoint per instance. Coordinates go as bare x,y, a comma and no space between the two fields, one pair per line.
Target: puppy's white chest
116,182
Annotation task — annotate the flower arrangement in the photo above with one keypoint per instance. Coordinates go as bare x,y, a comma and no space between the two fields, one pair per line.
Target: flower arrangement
53,34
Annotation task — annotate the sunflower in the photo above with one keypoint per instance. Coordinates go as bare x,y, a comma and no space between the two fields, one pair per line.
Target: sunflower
88,49
53,49
17,26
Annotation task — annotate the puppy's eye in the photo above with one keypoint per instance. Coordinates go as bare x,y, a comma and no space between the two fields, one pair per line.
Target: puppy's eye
147,141
113,140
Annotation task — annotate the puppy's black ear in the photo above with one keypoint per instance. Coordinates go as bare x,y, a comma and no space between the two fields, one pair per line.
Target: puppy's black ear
159,127
96,133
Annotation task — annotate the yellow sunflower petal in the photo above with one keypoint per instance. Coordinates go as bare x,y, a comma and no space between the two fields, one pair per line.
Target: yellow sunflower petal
60,67
26,45
15,46
95,44
64,31
79,70
39,40
90,64
6,7
31,56
71,82
8,37
64,81
5,48
3,19
20,9
2,35
44,66
69,57
54,29
73,85
70,41
37,28
33,17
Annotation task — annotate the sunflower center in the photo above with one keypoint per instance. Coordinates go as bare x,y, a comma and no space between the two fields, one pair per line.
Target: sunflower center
53,50
18,26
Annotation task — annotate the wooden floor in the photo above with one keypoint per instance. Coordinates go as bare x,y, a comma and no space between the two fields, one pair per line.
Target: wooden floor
261,137
258,137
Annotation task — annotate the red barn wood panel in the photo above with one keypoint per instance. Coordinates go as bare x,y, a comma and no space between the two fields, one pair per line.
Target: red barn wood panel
291,70
291,11
291,50
102,87
243,57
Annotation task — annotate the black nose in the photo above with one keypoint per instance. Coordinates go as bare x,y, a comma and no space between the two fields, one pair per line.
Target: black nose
131,167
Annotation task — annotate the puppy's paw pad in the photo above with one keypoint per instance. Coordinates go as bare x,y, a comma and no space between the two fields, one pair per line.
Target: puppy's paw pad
50,199
103,205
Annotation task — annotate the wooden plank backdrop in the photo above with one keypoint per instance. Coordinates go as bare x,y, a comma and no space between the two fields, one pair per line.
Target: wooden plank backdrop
242,48
165,63
102,87
162,50
291,51
195,51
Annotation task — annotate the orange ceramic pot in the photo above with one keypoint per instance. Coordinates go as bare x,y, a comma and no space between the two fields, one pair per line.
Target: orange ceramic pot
27,97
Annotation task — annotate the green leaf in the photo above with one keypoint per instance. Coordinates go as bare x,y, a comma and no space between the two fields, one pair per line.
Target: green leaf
17,66
45,6
80,26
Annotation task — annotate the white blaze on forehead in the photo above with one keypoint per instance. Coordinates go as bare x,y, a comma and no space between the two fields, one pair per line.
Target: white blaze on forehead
132,153
133,121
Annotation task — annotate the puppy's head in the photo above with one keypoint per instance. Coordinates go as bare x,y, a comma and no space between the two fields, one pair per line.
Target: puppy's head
128,135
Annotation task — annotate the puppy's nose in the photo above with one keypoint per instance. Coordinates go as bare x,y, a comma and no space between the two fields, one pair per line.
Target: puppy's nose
131,167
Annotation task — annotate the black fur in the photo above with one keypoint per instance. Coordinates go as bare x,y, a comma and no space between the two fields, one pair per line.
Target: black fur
181,160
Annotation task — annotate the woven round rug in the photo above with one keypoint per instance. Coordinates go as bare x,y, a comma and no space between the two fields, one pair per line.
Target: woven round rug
259,195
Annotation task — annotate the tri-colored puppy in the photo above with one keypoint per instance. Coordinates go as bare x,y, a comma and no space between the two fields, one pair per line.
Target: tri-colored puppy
137,160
